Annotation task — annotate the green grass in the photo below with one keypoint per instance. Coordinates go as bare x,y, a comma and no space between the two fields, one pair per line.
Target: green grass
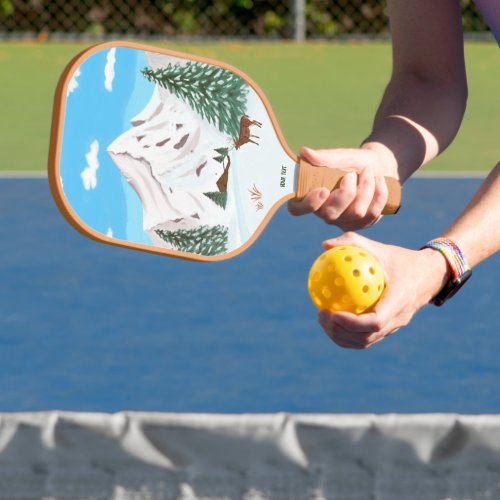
323,94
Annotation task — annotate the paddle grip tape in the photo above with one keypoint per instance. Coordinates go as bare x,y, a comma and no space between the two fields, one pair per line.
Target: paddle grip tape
312,177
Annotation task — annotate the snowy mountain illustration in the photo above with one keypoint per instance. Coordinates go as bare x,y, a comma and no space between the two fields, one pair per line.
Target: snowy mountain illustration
171,156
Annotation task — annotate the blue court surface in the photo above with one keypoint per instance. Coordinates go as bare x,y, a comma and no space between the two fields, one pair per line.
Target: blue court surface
90,327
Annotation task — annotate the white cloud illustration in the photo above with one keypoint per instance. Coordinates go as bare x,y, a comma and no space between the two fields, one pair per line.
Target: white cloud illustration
73,83
89,173
109,70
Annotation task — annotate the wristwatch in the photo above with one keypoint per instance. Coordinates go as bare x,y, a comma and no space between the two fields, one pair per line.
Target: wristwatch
460,270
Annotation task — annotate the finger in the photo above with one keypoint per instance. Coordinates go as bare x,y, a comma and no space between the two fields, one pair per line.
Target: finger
356,216
313,156
311,203
366,209
352,340
375,341
340,199
357,224
375,209
384,319
339,335
342,340
362,324
348,238
349,338
380,197
362,340
358,209
359,341
345,344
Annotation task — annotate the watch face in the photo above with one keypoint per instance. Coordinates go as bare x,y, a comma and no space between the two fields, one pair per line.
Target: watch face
451,288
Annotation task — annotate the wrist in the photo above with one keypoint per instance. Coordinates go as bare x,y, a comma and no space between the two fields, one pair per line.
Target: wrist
437,272
388,165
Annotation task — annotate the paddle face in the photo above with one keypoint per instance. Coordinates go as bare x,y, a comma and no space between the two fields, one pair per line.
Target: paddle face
165,152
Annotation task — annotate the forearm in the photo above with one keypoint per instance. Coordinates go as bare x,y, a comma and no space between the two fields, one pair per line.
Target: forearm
416,120
424,103
477,230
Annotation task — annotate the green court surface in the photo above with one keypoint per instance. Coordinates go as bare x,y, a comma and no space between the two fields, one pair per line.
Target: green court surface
324,95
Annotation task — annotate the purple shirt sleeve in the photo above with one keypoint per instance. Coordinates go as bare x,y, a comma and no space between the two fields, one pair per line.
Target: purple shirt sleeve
490,9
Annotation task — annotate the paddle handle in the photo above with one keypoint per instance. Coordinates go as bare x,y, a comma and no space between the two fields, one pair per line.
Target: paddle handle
311,177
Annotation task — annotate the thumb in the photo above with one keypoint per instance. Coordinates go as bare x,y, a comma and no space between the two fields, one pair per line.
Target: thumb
337,158
348,238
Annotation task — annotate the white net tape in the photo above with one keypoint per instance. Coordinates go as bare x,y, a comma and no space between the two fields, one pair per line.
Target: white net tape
160,456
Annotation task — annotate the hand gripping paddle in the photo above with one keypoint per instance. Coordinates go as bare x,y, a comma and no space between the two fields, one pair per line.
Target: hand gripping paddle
171,153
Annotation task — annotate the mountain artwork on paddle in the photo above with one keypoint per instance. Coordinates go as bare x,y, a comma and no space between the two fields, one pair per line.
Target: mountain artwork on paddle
163,151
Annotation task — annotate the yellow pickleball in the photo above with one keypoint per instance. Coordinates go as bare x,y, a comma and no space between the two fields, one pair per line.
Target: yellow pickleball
346,278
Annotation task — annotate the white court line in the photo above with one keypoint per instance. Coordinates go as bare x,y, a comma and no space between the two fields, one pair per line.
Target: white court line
454,174
23,175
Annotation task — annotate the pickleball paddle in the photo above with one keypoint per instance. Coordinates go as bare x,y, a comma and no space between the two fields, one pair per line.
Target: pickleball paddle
172,153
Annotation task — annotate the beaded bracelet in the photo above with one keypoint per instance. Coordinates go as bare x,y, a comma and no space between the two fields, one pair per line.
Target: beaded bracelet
452,254
459,267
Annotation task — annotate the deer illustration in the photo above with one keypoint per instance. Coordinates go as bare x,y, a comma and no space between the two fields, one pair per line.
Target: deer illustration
245,137
245,133
222,181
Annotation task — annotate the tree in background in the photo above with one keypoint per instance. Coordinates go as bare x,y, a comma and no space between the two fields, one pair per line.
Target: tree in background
235,18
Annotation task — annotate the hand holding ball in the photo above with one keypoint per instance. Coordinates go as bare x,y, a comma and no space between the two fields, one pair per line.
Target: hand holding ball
346,278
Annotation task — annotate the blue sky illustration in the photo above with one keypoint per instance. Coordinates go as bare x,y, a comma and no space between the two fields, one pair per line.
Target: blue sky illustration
105,93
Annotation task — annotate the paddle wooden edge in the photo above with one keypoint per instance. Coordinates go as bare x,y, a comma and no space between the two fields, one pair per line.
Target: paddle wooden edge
56,136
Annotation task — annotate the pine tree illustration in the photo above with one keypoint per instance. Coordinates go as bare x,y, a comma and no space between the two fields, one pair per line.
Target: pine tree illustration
203,240
216,94
218,198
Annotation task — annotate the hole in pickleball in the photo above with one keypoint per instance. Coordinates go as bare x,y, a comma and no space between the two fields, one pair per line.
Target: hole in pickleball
317,301
327,293
372,270
360,309
330,268
363,254
366,289
317,276
339,281
356,273
336,306
379,287
346,299
348,258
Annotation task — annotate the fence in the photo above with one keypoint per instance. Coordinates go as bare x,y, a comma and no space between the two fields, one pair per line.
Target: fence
203,18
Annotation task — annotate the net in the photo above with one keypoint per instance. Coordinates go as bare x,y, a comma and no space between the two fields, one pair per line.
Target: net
207,18
153,456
